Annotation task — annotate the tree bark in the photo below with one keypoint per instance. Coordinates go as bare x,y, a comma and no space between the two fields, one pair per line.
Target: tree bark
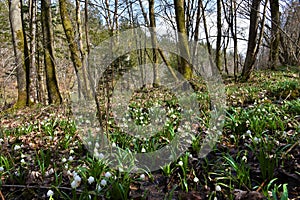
219,35
154,42
275,34
16,25
54,96
74,49
32,50
251,49
205,27
184,66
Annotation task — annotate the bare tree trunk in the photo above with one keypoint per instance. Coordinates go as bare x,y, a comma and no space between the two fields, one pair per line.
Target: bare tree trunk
219,35
251,49
51,81
18,35
154,41
41,90
184,67
32,52
158,50
225,53
73,46
80,44
86,27
26,56
235,42
205,27
196,33
275,34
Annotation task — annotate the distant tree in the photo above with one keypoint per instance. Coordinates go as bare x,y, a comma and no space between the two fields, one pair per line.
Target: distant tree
54,96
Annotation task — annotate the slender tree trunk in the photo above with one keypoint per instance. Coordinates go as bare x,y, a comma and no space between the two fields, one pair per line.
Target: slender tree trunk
184,66
18,35
26,56
74,49
251,49
154,41
54,96
80,44
219,35
205,27
86,27
158,50
196,33
225,52
32,52
275,34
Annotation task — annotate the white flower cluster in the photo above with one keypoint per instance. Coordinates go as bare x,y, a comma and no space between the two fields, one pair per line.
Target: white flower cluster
76,180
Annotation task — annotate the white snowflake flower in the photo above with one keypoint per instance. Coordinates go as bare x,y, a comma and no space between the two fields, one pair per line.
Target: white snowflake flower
142,176
17,147
50,193
244,158
77,179
64,160
103,182
74,174
256,140
180,163
107,174
196,179
51,171
91,179
71,158
143,150
99,155
1,169
98,188
74,184
218,188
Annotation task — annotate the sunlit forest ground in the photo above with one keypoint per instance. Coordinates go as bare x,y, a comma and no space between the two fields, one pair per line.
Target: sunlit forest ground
256,157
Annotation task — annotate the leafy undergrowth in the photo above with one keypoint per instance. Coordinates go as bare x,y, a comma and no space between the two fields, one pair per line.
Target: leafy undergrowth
257,155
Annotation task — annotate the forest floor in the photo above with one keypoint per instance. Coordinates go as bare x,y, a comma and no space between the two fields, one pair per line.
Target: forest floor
257,156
